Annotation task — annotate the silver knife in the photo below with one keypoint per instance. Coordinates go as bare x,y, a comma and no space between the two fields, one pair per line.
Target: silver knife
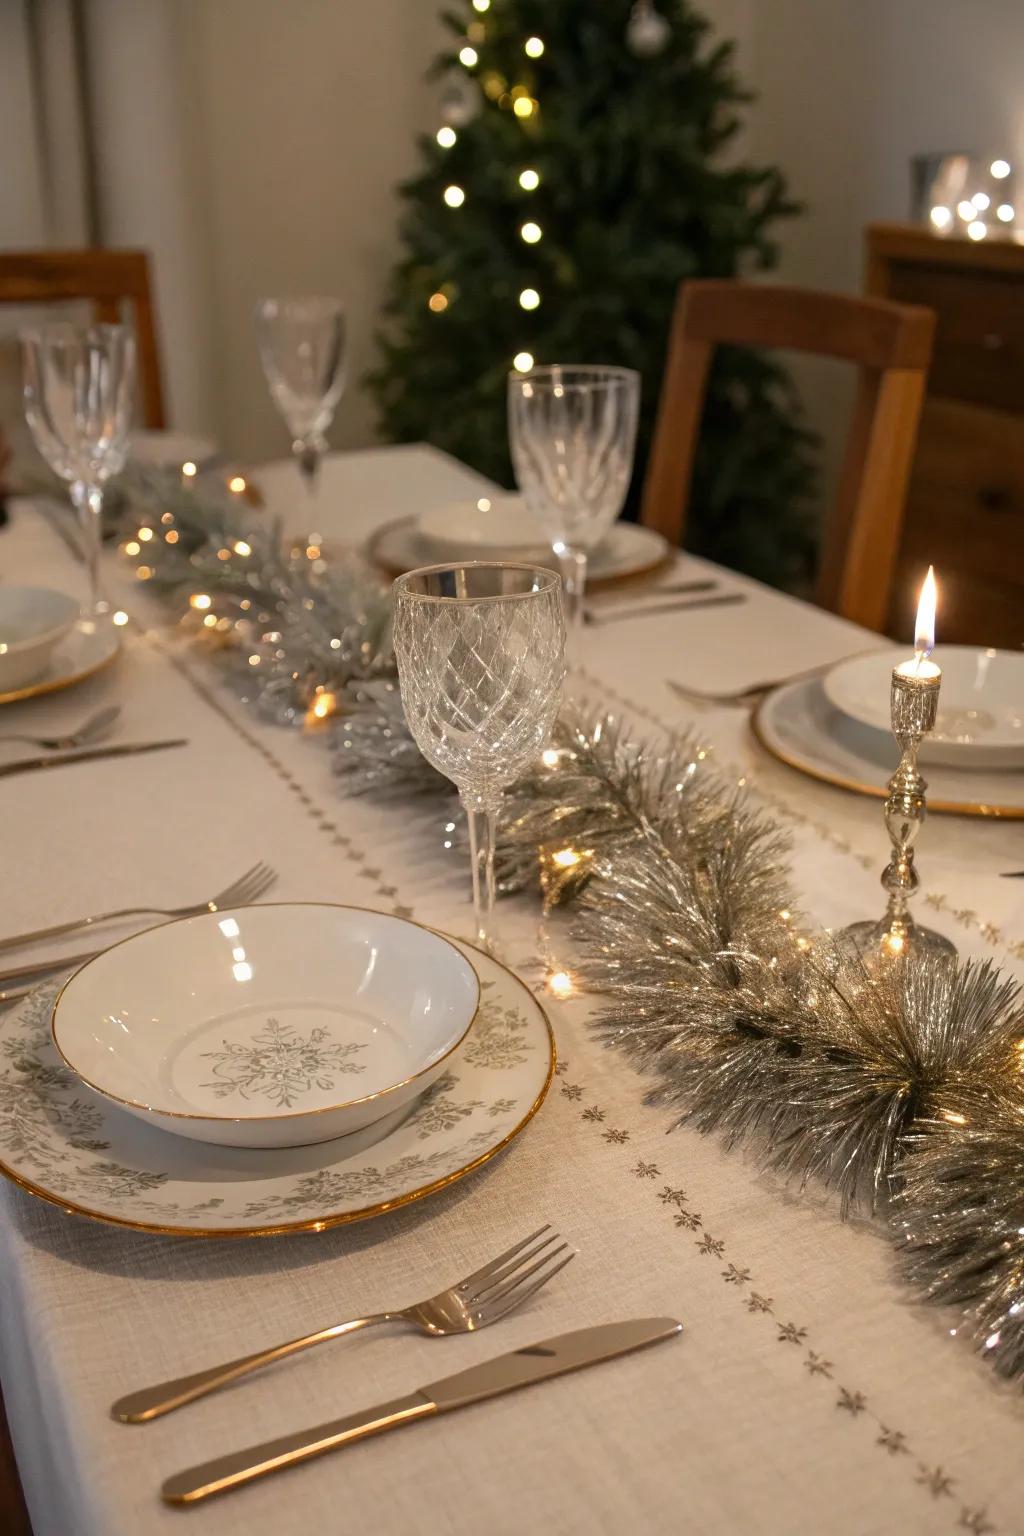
616,615
507,1373
90,755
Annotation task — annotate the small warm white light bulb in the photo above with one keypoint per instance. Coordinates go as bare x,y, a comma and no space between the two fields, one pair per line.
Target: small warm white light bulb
1000,169
1005,213
242,548
200,600
237,484
454,197
529,180
481,5
446,137
549,757
438,302
529,298
189,469
133,547
522,363
523,106
560,984
120,618
468,56
531,233
977,230
980,200
533,47
941,216
966,209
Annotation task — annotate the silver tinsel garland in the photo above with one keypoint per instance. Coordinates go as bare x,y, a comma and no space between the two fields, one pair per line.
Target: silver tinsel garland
901,1090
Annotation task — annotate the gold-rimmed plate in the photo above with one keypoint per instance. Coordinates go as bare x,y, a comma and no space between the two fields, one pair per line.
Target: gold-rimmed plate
70,1146
798,725
629,553
86,648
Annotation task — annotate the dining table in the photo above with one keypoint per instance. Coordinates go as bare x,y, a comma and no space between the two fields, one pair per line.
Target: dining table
806,1393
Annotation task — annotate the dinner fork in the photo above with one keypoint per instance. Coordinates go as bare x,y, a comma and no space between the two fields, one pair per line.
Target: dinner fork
484,1297
242,891
92,729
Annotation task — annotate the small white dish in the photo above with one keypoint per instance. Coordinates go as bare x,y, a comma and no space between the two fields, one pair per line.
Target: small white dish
88,646
493,527
980,722
33,620
268,1026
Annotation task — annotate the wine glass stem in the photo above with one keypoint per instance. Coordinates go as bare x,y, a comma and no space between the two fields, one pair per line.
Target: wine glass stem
88,503
573,563
480,819
308,456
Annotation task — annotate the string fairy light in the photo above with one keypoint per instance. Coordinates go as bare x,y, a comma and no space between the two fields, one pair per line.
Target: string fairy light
469,57
531,232
529,180
533,47
446,137
529,298
523,106
454,196
522,363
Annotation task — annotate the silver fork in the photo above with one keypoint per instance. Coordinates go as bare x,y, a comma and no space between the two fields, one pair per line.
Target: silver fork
484,1297
93,729
242,891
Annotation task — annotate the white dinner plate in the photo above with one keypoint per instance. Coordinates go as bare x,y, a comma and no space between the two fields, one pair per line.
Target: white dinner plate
628,551
68,1145
800,726
83,650
277,1025
980,722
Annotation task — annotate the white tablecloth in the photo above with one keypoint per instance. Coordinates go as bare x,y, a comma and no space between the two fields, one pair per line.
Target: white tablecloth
807,1394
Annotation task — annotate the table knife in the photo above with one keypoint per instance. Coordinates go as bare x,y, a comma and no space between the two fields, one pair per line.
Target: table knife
649,610
506,1373
90,755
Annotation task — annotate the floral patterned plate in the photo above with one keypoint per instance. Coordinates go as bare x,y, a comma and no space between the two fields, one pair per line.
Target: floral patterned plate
61,1141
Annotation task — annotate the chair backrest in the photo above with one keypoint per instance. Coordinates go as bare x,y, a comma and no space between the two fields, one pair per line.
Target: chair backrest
108,279
891,345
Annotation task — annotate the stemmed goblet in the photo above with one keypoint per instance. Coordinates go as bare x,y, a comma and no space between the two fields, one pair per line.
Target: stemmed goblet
302,348
79,390
572,432
481,661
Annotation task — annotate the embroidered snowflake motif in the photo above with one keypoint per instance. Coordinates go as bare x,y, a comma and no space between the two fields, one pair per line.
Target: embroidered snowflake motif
758,1303
646,1170
281,1065
572,1091
938,1483
670,1196
690,1220
789,1333
732,1275
500,1107
616,1137
712,1245
976,1521
894,1441
816,1365
853,1402
593,1113
561,1067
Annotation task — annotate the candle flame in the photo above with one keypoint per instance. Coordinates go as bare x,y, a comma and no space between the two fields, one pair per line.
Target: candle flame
924,629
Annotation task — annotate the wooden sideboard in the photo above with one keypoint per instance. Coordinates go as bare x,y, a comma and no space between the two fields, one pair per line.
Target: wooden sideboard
965,504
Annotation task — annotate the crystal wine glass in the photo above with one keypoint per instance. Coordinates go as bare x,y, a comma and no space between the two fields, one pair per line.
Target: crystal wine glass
79,392
572,431
481,661
302,348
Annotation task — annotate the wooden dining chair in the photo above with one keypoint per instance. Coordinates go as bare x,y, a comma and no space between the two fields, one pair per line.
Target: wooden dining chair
109,279
890,344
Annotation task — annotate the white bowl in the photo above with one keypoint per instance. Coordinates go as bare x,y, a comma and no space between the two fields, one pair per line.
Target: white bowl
32,621
268,1026
980,721
493,527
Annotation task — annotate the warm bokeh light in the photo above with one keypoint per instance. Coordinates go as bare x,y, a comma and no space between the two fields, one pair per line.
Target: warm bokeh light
941,216
522,363
529,180
980,200
120,618
1000,169
468,56
133,547
977,230
531,233
523,106
200,600
560,984
454,197
565,858
529,298
242,548
189,469
438,303
481,5
533,47
145,534
237,484
966,209
1005,213
549,757
446,137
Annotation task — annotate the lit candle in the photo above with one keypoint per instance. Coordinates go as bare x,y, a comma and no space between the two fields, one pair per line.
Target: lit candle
919,667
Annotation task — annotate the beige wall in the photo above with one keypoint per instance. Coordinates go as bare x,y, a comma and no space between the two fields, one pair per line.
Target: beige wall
305,117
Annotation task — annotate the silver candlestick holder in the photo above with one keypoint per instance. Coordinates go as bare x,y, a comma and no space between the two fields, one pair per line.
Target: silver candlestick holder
914,702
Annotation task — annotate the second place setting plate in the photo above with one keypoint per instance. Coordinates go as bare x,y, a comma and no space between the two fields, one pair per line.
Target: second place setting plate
69,1145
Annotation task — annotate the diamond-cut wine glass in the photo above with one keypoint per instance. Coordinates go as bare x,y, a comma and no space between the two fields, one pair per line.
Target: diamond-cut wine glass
572,432
79,391
481,662
302,348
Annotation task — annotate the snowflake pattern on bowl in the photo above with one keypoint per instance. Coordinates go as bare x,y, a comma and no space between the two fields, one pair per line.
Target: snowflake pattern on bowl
63,1142
281,1065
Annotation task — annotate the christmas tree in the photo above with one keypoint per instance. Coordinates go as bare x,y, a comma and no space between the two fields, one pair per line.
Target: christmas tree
576,178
